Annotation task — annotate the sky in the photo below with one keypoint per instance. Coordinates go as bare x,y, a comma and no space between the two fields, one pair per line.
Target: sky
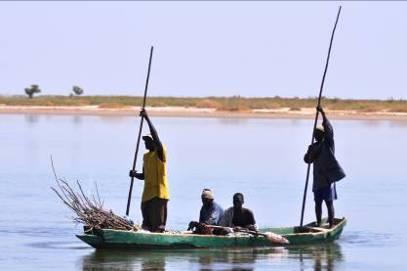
260,49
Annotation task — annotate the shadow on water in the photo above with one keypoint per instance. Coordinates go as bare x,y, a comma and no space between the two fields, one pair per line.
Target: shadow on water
322,257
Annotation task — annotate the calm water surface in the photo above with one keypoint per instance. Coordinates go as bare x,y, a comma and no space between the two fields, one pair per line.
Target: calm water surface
260,157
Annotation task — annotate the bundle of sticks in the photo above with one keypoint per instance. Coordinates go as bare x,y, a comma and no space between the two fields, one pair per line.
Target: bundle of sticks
89,209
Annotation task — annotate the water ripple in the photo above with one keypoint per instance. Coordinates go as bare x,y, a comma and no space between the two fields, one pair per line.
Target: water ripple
58,245
368,238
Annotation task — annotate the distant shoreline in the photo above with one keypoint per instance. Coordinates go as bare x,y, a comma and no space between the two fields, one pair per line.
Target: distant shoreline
219,107
178,111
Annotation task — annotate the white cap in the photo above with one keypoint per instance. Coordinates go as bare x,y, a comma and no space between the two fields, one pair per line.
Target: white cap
207,194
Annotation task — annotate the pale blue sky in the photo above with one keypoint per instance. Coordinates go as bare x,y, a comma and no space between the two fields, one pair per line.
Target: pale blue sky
205,48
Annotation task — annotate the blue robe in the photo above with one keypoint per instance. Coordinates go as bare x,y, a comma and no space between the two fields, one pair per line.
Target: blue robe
326,168
211,215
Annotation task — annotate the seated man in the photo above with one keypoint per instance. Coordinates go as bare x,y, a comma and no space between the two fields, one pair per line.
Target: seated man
210,213
237,216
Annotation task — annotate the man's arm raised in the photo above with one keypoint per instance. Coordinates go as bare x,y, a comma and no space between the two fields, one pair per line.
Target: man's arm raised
328,129
154,134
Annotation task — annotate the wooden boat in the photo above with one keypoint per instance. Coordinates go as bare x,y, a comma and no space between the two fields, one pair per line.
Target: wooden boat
308,234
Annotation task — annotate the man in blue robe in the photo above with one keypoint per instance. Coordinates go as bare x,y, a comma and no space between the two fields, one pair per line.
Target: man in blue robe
326,169
210,214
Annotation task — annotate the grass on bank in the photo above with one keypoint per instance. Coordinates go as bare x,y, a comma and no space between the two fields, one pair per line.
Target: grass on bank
233,104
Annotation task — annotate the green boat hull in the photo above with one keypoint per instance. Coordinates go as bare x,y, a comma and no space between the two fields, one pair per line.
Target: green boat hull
308,234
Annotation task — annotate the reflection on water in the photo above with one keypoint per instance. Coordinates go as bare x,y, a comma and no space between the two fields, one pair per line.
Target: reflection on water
260,157
320,257
31,118
77,119
323,257
233,121
373,123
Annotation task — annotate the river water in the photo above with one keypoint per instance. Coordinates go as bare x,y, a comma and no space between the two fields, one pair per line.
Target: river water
261,158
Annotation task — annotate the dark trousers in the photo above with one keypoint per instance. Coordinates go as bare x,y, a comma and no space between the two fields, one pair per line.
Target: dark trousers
331,211
327,194
154,213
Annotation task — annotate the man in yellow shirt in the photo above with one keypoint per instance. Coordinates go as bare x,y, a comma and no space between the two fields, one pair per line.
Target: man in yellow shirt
155,194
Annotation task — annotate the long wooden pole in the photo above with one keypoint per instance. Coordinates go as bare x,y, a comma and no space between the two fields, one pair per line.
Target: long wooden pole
139,131
316,115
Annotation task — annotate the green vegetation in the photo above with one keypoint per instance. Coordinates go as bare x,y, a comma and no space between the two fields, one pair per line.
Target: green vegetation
32,90
235,103
77,90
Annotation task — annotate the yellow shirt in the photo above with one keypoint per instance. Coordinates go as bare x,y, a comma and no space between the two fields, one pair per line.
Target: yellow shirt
155,176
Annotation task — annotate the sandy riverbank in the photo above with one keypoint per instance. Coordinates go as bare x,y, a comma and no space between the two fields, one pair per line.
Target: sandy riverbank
303,113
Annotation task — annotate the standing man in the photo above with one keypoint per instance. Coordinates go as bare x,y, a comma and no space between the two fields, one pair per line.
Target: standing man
155,193
326,169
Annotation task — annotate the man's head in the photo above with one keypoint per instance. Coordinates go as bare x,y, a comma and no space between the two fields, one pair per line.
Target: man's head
149,142
238,201
319,133
207,197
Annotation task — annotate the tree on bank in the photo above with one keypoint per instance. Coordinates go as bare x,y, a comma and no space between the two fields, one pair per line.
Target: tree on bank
32,90
77,90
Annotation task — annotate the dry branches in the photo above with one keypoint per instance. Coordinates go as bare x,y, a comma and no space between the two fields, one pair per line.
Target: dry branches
89,210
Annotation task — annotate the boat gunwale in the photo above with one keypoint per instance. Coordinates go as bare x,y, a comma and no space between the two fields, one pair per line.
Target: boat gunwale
321,231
